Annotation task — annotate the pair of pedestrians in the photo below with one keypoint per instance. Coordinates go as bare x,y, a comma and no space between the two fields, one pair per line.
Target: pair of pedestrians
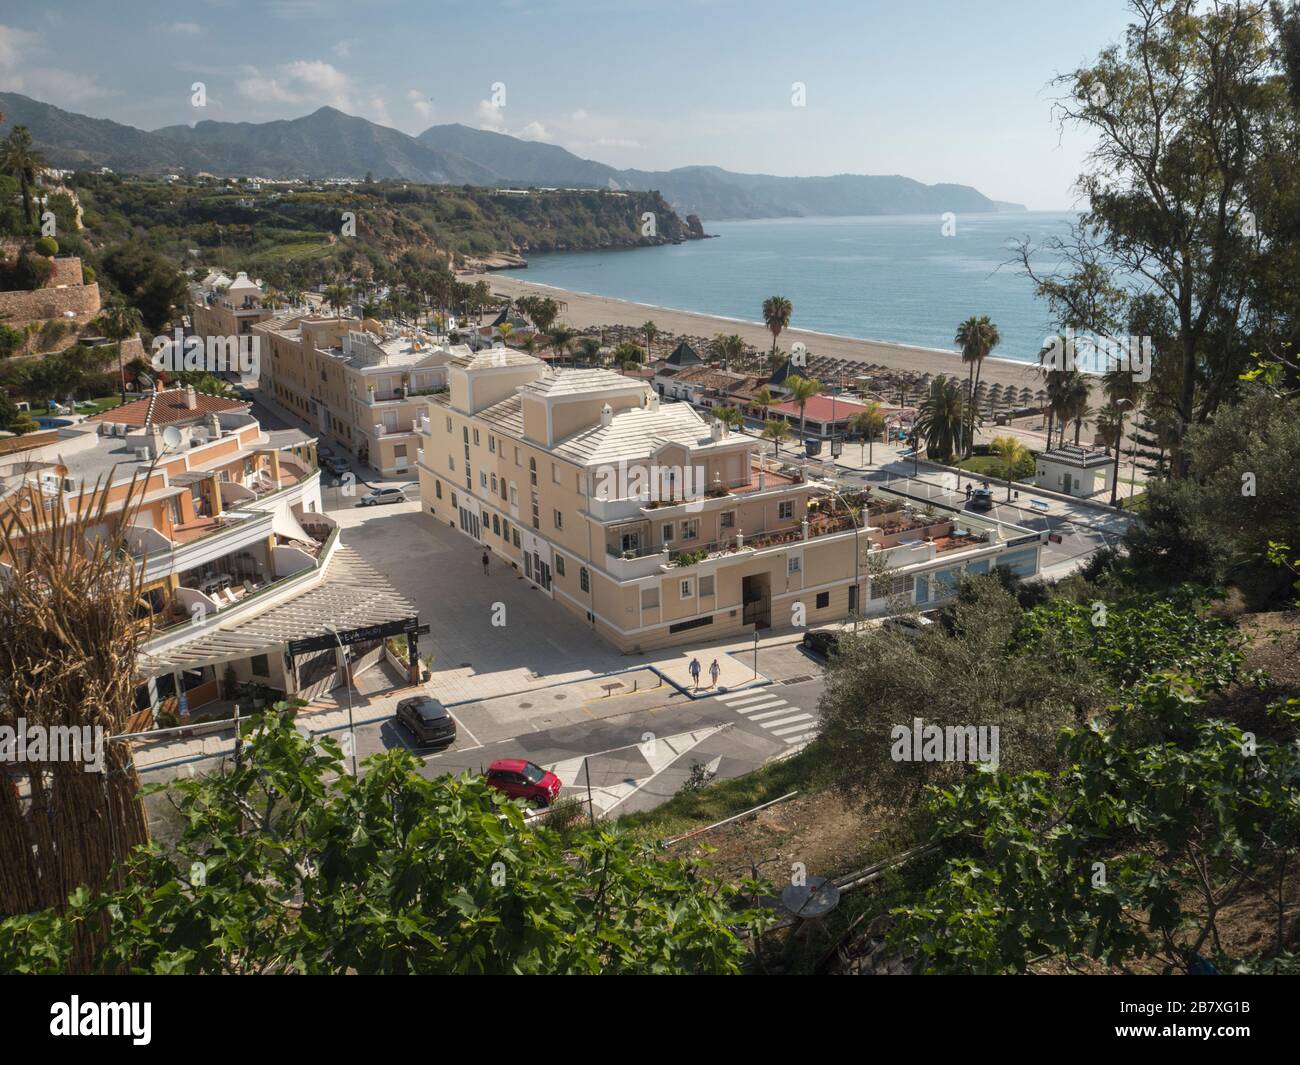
714,671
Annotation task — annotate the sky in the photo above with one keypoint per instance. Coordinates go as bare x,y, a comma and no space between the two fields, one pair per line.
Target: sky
936,90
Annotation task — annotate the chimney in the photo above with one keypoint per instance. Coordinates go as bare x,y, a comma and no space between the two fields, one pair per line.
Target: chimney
191,400
715,430
606,414
652,401
214,425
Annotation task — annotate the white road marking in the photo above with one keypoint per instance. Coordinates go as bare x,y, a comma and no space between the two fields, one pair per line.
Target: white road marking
760,706
744,695
791,728
789,720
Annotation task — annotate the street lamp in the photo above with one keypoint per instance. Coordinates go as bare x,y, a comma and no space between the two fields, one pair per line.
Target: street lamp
857,552
348,672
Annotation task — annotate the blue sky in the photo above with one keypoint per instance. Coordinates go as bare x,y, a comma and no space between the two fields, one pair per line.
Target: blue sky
938,90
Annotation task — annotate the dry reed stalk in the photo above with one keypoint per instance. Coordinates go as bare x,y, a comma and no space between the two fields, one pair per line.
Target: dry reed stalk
69,638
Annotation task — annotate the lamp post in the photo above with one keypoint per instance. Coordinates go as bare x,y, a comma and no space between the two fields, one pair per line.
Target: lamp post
352,735
857,552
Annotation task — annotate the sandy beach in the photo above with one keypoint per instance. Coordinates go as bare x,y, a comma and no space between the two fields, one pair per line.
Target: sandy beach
584,310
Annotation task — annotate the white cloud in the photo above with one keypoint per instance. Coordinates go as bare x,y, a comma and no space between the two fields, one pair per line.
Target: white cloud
490,117
343,49
420,103
534,131
313,83
186,29
15,45
23,70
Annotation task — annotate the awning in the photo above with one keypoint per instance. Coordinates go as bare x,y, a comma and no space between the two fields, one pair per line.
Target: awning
283,523
351,595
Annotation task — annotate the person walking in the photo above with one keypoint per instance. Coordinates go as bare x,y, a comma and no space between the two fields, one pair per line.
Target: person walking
486,559
714,671
695,672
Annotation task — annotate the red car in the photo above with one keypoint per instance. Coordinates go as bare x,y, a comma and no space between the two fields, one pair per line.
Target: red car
524,780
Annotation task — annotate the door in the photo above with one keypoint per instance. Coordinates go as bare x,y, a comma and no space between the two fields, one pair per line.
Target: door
631,541
756,600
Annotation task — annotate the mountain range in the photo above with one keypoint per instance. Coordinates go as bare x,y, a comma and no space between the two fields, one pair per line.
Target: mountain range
330,144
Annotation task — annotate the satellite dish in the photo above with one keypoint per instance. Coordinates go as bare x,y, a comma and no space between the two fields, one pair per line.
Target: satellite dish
172,436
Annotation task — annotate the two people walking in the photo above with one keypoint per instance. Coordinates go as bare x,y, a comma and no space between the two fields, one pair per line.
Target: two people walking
715,671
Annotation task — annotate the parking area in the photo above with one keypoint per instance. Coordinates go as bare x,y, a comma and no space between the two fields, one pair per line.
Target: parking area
489,634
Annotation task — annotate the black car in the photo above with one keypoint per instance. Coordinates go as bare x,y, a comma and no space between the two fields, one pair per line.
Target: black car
428,721
821,642
981,499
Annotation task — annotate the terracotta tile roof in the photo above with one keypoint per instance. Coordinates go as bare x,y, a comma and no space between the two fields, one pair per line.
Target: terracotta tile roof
819,408
165,408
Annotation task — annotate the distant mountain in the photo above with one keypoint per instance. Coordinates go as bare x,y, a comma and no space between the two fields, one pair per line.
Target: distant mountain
710,191
328,144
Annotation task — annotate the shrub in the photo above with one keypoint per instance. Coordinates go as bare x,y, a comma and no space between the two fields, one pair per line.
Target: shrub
48,246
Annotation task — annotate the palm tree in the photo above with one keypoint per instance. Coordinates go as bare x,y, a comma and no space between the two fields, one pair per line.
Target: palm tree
1013,453
651,331
729,347
764,400
24,164
729,416
977,336
776,316
1075,393
939,418
1123,391
590,348
120,320
801,390
776,430
504,330
559,338
338,296
869,423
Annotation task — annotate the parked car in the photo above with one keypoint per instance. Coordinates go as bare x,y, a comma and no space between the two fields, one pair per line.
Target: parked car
909,625
323,452
427,720
377,496
524,780
336,466
821,642
981,498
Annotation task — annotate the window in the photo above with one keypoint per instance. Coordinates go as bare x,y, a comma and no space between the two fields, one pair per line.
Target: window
584,579
476,438
505,530
514,537
559,565
492,444
494,484
555,473
823,600
437,489
464,432
727,519
261,665
399,451
532,472
706,585
785,509
453,501
649,598
496,524
686,588
514,496
559,520
482,479
537,516
451,463
503,486
668,532
448,423
793,564
516,456
691,529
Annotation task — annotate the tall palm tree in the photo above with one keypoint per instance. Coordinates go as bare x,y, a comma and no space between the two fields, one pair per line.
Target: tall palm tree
24,164
1122,392
801,390
1013,453
776,430
559,338
939,418
120,320
590,349
776,316
729,416
869,423
651,331
1075,394
764,401
338,296
977,336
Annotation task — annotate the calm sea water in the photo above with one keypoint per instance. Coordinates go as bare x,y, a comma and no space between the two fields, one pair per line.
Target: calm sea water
877,278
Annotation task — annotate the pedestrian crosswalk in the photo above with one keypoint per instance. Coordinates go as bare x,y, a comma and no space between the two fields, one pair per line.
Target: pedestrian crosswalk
769,711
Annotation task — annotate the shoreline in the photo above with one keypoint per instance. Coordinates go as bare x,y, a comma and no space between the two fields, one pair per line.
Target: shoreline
586,309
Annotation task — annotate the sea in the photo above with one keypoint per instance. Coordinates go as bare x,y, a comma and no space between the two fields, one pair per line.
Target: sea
906,278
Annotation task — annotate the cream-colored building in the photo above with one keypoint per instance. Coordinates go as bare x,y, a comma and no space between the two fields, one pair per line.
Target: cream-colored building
221,307
358,384
659,527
